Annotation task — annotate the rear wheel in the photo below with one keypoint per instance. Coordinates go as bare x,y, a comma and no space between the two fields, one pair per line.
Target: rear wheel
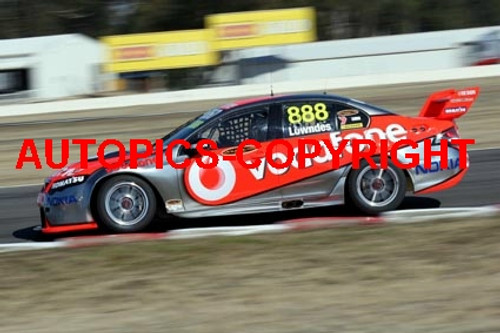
125,204
376,190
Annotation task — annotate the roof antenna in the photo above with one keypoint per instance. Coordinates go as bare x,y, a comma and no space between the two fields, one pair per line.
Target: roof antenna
271,83
326,83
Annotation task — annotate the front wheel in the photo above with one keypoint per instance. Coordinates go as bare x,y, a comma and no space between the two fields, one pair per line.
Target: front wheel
376,190
125,204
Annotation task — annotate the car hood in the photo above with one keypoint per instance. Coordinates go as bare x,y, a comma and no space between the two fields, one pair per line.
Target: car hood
93,165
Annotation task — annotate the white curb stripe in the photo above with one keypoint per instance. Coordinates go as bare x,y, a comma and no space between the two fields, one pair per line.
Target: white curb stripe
227,231
423,215
30,246
5,187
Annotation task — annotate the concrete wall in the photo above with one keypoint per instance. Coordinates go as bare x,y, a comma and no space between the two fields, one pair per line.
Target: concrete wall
250,90
353,57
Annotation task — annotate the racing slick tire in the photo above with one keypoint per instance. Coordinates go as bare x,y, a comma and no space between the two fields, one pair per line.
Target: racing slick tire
125,204
375,190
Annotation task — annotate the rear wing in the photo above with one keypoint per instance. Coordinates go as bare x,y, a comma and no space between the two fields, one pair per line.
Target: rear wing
449,104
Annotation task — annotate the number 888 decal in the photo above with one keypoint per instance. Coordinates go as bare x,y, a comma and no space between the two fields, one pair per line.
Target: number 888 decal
307,113
307,119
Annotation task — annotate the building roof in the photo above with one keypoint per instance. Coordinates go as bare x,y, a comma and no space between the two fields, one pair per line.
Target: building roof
33,45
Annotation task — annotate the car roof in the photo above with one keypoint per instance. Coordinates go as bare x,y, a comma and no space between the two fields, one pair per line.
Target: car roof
372,109
279,98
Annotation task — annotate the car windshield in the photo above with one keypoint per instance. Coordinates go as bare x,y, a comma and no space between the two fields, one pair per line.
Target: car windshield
189,127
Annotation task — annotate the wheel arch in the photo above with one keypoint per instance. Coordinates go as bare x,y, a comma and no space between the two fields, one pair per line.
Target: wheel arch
353,200
160,208
410,182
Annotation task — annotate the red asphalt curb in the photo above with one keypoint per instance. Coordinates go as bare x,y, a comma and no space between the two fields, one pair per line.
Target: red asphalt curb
85,241
302,224
331,222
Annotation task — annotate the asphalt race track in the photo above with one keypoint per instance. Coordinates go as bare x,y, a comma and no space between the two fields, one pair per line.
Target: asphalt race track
481,186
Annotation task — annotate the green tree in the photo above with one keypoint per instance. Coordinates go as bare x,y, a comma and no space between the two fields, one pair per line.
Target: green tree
335,18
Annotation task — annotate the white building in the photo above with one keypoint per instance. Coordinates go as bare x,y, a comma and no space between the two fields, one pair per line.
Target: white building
49,67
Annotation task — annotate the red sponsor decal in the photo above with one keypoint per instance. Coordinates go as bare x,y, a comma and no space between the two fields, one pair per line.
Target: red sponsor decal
133,53
240,30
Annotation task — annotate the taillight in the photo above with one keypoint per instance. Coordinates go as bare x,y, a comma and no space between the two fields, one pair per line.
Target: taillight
452,133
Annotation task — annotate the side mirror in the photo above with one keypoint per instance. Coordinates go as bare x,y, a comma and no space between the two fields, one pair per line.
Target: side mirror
192,151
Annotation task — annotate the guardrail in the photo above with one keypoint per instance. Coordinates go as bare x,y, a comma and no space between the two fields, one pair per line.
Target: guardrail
242,91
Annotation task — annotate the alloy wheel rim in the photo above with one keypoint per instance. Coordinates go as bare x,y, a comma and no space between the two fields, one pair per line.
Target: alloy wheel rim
377,187
126,203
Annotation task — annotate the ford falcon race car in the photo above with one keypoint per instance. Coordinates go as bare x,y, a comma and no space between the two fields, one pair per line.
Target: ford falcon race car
127,199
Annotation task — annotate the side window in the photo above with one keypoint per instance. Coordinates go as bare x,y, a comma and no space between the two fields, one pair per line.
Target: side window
307,118
231,131
349,118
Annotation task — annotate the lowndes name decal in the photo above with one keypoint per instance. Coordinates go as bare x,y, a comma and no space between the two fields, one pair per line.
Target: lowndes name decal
304,130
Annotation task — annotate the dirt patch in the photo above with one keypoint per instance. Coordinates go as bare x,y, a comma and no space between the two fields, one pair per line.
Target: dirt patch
433,277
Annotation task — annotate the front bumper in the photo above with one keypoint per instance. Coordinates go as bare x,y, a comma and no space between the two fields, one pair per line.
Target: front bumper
48,228
65,211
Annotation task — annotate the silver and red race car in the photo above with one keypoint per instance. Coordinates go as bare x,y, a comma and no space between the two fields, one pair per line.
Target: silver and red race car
127,199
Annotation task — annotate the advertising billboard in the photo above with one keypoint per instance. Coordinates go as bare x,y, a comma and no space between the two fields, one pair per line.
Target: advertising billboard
159,50
261,28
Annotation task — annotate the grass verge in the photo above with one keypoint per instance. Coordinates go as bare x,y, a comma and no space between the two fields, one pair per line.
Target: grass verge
432,277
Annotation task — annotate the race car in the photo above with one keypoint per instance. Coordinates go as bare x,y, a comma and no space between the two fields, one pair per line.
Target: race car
123,198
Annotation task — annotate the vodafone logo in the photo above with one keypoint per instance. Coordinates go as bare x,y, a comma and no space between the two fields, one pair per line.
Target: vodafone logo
215,185
392,133
211,184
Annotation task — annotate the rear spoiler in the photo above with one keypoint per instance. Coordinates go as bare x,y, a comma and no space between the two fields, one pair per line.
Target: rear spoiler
449,104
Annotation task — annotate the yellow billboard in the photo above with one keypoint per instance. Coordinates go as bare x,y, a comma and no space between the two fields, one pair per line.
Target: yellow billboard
264,27
160,50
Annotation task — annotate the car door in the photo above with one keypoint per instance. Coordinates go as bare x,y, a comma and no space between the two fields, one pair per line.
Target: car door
319,120
231,181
